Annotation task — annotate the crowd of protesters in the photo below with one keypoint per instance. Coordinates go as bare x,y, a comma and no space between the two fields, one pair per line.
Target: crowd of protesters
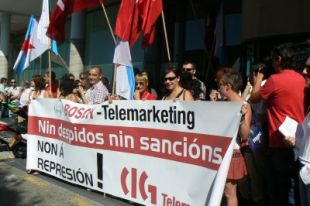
274,174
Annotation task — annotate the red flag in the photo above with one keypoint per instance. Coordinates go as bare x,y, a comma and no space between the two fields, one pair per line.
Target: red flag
64,8
127,25
135,16
150,12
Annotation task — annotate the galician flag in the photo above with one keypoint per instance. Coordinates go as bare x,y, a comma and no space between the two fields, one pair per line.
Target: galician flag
36,41
125,78
32,47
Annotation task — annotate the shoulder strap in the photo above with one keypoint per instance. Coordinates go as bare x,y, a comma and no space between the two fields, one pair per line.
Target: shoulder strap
180,93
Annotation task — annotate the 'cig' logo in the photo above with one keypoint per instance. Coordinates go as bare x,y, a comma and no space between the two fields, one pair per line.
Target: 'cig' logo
138,180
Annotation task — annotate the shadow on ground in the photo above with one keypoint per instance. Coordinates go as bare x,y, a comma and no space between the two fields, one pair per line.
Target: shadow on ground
10,184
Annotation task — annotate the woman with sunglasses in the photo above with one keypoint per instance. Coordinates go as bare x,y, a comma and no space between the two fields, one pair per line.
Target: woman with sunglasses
173,89
142,84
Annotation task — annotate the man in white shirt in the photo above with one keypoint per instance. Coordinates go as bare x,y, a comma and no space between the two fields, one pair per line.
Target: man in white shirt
13,92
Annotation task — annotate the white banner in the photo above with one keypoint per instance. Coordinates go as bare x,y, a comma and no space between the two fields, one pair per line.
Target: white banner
150,152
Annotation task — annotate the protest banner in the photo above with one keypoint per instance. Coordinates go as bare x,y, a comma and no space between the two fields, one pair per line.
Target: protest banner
149,152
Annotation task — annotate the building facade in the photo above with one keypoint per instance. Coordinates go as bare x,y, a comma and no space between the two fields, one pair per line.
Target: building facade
249,30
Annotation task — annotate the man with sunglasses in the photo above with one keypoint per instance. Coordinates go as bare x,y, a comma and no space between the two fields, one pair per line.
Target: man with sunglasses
13,92
190,68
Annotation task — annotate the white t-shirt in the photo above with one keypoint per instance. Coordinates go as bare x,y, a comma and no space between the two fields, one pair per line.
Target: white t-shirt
25,97
14,91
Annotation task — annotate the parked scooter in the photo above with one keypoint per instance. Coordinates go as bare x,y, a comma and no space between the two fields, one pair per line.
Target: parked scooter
11,131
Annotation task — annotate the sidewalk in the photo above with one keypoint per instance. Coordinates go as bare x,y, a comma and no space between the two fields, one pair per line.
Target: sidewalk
19,188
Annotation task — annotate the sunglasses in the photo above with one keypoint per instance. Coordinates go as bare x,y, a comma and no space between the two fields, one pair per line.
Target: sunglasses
169,78
13,82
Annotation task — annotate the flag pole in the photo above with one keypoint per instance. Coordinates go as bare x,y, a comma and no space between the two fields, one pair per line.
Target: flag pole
49,57
111,30
109,24
166,36
50,68
114,80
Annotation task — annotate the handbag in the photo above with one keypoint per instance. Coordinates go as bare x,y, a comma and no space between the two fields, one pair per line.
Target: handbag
256,137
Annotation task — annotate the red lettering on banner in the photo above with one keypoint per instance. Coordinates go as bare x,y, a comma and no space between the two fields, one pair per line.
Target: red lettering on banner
193,148
142,184
142,180
133,182
124,174
78,112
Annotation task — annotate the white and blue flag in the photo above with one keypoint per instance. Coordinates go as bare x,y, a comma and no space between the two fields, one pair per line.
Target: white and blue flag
31,48
125,78
36,41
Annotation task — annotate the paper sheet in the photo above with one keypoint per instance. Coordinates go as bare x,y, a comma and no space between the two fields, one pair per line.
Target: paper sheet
288,127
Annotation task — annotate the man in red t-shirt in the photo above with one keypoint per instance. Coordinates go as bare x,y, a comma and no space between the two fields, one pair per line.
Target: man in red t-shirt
284,93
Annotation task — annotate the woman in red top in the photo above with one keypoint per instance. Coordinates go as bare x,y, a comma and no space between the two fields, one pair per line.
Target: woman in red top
142,84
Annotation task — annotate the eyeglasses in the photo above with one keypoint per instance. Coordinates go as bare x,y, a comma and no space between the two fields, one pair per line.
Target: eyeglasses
169,78
188,69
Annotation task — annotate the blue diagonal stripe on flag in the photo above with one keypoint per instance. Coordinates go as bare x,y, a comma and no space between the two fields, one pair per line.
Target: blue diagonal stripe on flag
23,58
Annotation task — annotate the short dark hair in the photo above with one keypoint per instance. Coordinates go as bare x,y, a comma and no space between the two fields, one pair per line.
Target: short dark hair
173,70
3,79
65,77
67,86
286,54
192,63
